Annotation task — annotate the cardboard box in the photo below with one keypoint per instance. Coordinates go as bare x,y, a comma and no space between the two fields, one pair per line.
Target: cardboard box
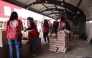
25,35
3,38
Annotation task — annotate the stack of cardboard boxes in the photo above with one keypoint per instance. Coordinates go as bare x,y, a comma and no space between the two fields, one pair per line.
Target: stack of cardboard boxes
53,46
61,43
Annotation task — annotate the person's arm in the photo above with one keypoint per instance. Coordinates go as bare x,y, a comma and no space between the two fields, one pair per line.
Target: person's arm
30,27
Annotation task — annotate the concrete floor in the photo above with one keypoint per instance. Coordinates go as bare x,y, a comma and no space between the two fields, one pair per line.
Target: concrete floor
77,49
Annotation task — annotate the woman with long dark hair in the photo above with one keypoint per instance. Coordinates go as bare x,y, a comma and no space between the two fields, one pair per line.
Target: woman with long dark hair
34,34
45,30
14,27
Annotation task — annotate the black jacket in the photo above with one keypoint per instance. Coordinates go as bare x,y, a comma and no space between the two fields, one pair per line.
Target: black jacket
55,24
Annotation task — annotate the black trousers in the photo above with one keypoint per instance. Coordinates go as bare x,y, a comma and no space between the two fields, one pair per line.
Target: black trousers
45,36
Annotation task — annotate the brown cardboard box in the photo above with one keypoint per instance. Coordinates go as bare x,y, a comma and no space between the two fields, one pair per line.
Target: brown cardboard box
39,43
3,38
26,50
4,52
26,42
25,35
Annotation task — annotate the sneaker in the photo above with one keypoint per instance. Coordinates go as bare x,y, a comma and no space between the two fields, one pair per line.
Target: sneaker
86,42
44,42
33,54
47,42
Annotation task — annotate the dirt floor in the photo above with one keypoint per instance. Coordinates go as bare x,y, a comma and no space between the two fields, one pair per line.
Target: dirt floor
77,49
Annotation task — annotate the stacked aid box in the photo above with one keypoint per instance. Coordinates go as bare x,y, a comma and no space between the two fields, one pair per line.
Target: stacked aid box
53,46
61,43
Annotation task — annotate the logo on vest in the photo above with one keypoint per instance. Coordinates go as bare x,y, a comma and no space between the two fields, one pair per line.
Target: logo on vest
62,25
14,23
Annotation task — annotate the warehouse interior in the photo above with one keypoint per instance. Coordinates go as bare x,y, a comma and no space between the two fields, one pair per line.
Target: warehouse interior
78,12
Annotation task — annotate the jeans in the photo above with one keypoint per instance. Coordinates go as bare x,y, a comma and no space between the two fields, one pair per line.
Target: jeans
33,43
15,43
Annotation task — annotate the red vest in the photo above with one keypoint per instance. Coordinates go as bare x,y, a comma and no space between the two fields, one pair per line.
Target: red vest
62,24
14,29
50,24
34,32
45,29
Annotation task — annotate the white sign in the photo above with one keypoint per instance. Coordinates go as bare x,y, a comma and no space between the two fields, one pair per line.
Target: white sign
7,10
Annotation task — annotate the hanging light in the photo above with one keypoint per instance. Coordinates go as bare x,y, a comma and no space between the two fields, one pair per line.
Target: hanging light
57,13
27,8
78,12
53,9
74,16
32,4
46,1
64,10
62,3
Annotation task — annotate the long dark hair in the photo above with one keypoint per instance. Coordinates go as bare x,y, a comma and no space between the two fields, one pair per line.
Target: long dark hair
63,19
46,23
13,16
31,22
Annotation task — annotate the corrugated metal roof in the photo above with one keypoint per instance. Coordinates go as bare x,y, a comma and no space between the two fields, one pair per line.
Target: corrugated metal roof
85,5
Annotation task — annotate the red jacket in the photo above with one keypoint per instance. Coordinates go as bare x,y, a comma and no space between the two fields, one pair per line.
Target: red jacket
14,29
62,24
34,32
45,29
50,24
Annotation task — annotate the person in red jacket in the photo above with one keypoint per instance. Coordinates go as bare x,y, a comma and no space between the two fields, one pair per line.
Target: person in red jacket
50,26
62,24
45,30
14,27
33,32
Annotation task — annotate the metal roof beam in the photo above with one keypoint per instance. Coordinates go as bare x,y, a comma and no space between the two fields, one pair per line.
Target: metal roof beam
45,6
79,3
16,3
